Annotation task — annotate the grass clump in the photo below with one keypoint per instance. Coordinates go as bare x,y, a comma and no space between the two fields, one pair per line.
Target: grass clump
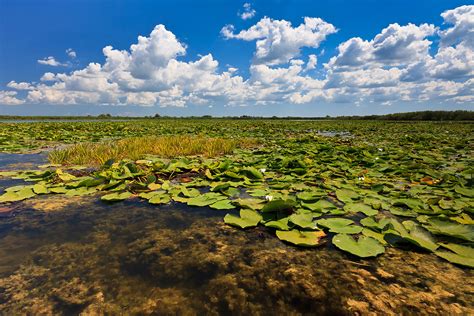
137,147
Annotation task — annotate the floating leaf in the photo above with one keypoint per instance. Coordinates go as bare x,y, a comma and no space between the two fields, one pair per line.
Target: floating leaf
346,195
252,173
222,205
303,220
362,247
301,238
464,191
278,206
160,198
281,224
40,189
339,225
360,207
461,255
410,232
19,195
113,197
439,226
248,218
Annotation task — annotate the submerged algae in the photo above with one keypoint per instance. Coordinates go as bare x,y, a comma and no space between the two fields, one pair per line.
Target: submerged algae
142,259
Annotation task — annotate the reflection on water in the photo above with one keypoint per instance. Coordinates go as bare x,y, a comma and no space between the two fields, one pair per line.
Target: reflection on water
72,256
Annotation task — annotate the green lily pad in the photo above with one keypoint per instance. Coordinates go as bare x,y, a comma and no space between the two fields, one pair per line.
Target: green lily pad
339,225
40,189
346,195
13,196
360,207
114,197
252,173
439,226
461,255
281,224
464,191
248,218
303,220
160,198
409,232
278,206
222,205
301,238
253,204
362,247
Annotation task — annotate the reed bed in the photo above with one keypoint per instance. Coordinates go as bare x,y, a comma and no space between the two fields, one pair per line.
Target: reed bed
134,148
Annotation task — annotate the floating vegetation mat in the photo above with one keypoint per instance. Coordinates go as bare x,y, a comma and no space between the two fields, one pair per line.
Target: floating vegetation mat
394,203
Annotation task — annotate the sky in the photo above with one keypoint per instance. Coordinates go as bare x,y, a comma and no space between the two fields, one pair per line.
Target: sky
227,58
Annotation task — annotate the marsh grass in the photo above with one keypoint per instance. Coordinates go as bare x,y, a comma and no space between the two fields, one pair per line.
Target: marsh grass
94,154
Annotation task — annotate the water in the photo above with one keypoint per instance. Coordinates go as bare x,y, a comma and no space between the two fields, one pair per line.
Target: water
77,255
22,161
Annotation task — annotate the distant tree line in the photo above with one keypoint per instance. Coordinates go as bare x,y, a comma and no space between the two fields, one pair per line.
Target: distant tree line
460,115
418,116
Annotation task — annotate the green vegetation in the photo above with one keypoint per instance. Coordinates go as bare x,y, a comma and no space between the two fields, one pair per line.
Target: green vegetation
364,185
94,154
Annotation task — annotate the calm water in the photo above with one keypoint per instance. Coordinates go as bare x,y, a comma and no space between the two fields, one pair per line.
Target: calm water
72,256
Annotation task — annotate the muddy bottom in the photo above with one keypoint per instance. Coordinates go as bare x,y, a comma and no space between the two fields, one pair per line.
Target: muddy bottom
81,256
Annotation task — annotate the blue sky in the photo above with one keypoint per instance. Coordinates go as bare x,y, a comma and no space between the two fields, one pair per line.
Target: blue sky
392,67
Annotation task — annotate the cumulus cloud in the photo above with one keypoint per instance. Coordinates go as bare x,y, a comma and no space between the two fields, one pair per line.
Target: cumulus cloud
248,12
277,41
9,98
50,61
20,85
400,63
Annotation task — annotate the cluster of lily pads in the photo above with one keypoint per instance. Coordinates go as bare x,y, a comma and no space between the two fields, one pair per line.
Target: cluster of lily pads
308,189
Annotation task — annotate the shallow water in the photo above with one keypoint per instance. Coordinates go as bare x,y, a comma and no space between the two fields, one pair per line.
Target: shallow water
22,161
70,256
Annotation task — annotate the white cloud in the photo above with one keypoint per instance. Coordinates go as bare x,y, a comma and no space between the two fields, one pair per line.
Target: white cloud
400,63
50,61
9,98
312,62
248,12
277,41
71,53
20,85
395,46
462,19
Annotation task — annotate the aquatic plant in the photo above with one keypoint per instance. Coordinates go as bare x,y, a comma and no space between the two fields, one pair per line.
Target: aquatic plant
381,186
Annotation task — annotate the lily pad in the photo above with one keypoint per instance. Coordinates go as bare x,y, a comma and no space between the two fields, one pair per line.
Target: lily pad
439,226
362,247
346,195
248,218
114,197
13,196
278,206
339,225
360,207
222,205
303,220
301,238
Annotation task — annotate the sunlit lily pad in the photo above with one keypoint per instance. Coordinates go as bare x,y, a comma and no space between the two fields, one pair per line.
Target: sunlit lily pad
303,220
248,218
362,247
360,207
113,197
301,238
222,205
346,195
339,225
